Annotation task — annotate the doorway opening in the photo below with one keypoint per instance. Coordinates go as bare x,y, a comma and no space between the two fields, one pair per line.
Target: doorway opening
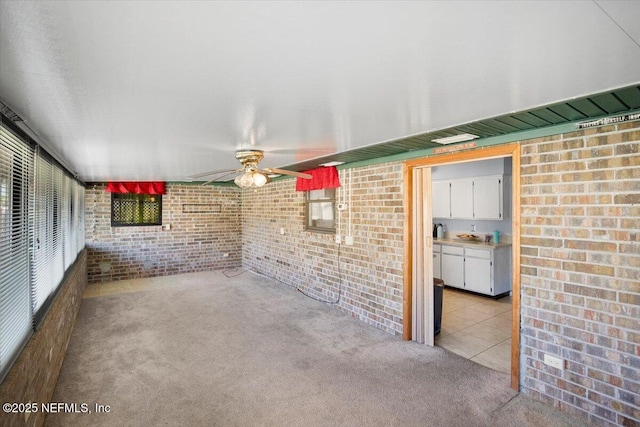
477,328
418,307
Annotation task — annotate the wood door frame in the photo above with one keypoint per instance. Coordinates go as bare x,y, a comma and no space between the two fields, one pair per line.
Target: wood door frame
484,153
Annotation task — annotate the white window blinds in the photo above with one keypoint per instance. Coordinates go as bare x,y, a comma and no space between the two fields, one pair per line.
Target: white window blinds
45,271
78,225
58,228
41,235
16,160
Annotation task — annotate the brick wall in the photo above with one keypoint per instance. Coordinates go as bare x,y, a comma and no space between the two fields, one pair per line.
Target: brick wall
34,375
371,269
581,272
197,241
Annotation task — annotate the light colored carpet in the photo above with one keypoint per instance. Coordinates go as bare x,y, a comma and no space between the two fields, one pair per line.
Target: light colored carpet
205,349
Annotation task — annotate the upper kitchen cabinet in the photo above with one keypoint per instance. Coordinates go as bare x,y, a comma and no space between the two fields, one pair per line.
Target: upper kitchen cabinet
462,199
488,197
441,199
480,198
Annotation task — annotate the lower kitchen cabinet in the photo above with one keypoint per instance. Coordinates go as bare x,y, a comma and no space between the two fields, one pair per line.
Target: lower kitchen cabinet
477,272
452,269
437,263
486,270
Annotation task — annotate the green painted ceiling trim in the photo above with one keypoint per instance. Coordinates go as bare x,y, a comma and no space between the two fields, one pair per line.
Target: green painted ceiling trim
484,142
629,96
543,121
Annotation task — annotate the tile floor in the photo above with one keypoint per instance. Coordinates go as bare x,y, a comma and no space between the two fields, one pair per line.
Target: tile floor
478,328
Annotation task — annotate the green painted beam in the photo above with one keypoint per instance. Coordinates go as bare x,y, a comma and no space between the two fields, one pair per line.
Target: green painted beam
506,138
484,142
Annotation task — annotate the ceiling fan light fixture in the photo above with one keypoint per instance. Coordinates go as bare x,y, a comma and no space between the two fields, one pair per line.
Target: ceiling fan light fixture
250,175
240,182
455,138
251,179
259,179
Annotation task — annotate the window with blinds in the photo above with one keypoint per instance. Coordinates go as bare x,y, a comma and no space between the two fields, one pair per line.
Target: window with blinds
41,235
16,173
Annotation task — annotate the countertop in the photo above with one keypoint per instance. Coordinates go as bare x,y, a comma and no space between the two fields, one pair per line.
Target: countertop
477,244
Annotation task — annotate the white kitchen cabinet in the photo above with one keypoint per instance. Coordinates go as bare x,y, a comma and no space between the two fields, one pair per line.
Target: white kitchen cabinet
487,197
437,266
480,198
440,199
462,199
485,270
477,271
452,270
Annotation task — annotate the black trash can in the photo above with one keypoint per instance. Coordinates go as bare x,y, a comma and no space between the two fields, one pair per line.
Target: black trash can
438,288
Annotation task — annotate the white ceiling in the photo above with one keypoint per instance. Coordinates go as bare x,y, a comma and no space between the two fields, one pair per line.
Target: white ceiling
140,90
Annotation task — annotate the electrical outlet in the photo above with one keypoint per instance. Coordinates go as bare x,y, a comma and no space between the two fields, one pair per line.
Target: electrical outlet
282,231
338,239
473,227
341,206
554,362
166,227
348,240
225,255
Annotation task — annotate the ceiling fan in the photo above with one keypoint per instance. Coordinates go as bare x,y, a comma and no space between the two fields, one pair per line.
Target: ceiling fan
250,176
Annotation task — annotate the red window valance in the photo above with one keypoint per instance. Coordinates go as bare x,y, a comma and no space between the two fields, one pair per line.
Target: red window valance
136,187
324,177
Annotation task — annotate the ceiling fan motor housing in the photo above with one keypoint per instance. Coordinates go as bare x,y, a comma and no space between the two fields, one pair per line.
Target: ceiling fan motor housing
249,158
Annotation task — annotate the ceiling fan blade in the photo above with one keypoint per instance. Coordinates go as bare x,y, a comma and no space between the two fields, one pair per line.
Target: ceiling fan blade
290,173
313,152
219,178
202,175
